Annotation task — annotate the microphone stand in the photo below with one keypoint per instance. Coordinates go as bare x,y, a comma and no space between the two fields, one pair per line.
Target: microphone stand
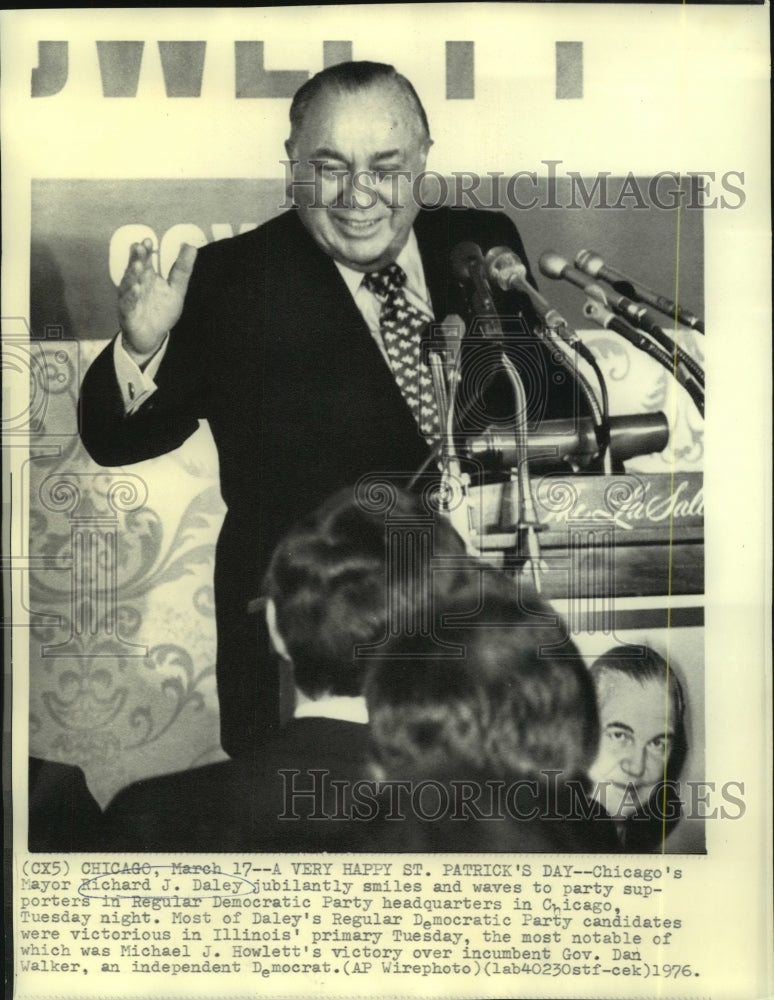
600,414
527,525
605,318
509,271
644,322
489,327
451,470
673,348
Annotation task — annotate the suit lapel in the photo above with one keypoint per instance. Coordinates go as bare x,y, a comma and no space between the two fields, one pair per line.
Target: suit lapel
432,232
338,322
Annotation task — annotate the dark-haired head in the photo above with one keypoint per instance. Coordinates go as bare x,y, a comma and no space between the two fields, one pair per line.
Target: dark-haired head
332,585
508,697
347,78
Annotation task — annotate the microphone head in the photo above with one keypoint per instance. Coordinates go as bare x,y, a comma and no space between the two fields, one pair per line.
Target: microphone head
552,264
505,267
462,256
589,262
595,310
452,331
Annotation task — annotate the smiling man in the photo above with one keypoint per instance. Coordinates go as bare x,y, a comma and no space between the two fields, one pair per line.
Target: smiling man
299,343
356,149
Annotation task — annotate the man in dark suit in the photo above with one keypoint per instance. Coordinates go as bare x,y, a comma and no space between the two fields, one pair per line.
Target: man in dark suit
63,815
326,597
278,340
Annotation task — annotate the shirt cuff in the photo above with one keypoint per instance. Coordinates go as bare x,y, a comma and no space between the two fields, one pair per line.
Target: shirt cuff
136,384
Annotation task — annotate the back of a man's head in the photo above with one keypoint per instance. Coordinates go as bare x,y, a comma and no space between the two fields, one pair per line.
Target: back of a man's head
514,701
333,584
350,77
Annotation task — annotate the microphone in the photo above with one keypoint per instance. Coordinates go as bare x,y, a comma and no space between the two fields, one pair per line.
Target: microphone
468,266
451,331
552,265
573,440
508,270
464,257
591,263
505,267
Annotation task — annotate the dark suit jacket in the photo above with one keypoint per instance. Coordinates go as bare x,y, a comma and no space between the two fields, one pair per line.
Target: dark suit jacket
281,799
272,351
644,831
309,789
464,816
63,814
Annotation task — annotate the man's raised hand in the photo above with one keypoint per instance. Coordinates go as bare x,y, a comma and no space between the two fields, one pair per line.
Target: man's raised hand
149,305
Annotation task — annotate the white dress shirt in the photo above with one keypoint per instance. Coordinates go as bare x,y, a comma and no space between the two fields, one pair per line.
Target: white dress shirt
345,708
369,304
136,383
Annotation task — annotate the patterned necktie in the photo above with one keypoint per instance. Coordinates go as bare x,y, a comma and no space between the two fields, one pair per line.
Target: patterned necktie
402,326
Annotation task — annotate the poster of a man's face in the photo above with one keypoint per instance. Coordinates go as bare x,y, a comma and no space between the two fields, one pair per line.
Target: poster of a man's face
634,749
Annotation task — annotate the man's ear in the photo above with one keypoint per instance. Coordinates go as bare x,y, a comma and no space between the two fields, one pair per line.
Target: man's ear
274,633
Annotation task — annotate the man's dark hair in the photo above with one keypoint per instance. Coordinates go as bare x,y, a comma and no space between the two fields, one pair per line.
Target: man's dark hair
332,584
517,702
349,77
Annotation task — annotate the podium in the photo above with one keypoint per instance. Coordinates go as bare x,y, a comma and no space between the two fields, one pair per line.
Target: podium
605,541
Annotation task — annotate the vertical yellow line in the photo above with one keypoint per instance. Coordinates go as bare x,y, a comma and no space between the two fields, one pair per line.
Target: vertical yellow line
673,423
